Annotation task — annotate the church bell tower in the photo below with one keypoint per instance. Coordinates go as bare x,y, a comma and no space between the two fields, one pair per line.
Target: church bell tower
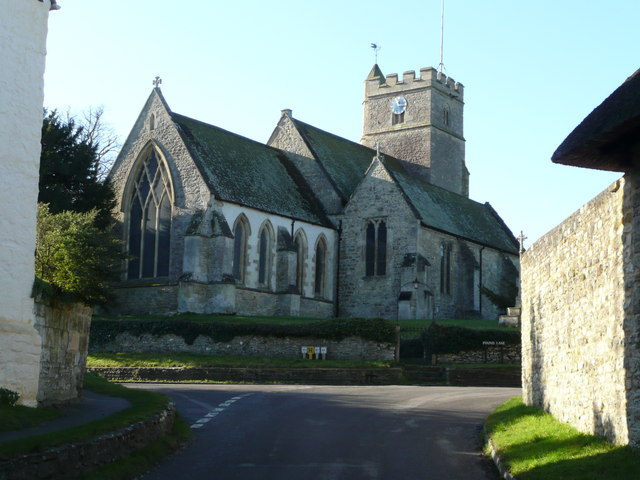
418,119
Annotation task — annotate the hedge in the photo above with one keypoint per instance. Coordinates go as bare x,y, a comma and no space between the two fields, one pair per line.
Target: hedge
438,339
377,330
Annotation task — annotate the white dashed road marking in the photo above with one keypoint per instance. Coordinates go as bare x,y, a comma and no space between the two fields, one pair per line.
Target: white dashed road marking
219,409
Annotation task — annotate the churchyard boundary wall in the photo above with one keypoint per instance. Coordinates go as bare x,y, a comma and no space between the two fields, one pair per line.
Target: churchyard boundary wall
353,339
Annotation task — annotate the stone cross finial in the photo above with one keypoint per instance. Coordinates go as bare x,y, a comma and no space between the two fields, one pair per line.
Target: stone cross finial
156,82
521,238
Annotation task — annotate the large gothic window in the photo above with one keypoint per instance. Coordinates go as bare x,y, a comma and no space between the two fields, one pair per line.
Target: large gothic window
376,248
321,268
150,221
264,256
240,234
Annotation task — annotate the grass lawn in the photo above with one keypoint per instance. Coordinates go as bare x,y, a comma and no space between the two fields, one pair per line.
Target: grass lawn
535,446
144,405
17,417
96,360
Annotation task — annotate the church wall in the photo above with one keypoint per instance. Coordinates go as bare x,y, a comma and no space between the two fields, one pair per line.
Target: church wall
190,191
581,316
312,233
374,296
23,33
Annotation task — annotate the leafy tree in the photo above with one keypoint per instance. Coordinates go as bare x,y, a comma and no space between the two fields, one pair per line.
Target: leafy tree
75,257
72,165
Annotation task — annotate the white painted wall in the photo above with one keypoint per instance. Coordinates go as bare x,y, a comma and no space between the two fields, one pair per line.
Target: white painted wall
312,232
23,33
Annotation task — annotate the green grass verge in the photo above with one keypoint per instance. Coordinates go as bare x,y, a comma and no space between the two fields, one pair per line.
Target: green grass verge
188,360
18,417
535,446
143,460
143,405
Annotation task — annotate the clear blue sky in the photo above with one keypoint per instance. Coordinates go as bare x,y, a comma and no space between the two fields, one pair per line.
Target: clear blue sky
531,70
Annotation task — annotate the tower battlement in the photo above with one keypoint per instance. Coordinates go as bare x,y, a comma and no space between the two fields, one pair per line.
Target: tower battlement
428,77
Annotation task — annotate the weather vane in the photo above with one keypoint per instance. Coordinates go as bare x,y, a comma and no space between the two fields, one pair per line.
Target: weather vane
157,81
376,49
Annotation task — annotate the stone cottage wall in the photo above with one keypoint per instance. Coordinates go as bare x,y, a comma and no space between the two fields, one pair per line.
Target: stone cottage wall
580,349
23,33
64,329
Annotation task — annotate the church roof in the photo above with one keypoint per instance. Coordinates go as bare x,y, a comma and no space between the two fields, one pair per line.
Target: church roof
606,137
242,171
344,161
451,213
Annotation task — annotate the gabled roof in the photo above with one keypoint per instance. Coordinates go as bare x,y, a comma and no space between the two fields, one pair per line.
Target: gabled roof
607,136
347,162
242,171
449,212
344,161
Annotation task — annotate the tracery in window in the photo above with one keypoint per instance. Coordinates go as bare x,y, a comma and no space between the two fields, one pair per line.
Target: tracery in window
376,248
149,223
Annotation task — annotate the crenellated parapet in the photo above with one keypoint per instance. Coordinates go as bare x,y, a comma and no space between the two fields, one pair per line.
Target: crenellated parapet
428,77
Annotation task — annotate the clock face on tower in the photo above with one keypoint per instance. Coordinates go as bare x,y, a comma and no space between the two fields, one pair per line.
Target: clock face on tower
399,105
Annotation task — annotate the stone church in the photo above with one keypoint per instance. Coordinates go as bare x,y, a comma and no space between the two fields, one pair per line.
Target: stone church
312,224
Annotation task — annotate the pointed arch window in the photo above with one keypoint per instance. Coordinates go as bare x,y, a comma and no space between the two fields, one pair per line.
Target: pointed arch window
264,256
376,248
149,223
321,268
301,255
240,235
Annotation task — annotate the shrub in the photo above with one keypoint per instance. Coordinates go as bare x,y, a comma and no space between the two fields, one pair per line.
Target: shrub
8,397
438,339
103,331
73,256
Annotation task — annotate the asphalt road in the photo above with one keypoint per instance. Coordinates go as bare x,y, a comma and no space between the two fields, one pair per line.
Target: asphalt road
329,432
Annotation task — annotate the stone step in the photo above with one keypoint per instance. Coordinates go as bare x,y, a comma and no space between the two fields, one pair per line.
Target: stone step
509,320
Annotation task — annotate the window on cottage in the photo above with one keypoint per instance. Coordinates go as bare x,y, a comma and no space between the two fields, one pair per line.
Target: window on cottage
321,268
300,257
150,221
239,249
376,248
264,257
445,269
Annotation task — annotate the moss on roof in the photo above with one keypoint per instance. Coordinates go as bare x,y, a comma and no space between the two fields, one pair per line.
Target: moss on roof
344,161
242,171
452,213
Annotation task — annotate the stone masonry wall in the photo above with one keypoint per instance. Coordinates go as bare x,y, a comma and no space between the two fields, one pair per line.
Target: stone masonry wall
64,329
580,349
23,34
351,348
